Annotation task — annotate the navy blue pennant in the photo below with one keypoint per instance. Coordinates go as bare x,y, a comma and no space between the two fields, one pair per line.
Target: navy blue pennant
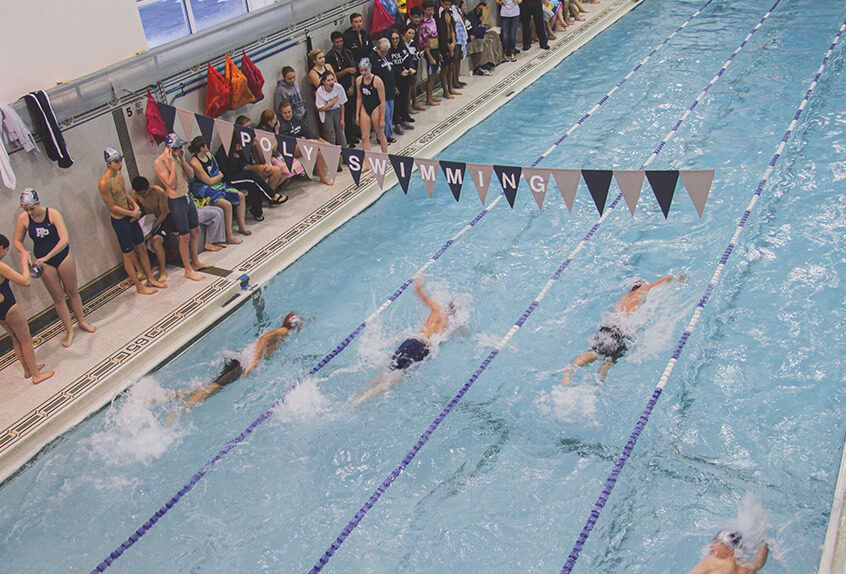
355,162
206,128
598,181
402,169
246,148
663,183
509,179
168,115
286,146
454,173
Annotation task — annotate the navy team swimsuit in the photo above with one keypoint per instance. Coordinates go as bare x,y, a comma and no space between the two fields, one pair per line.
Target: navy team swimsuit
45,237
412,350
8,298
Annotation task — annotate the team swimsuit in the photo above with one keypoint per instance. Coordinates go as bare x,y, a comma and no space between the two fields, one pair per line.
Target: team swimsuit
45,237
369,95
232,371
8,298
412,350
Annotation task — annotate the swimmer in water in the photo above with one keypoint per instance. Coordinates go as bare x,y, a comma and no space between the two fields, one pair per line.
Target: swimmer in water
722,559
414,349
266,345
611,339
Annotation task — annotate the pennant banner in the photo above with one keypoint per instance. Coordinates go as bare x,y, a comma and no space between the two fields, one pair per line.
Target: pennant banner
598,181
481,175
379,164
698,185
538,180
630,184
245,136
567,181
331,154
308,157
186,120
225,130
265,141
286,146
509,179
403,166
454,174
207,129
428,172
168,115
663,184
355,162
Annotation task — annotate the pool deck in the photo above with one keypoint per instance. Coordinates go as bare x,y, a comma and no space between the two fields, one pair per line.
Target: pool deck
135,333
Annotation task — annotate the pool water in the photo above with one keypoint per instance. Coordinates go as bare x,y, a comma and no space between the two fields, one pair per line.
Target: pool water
752,411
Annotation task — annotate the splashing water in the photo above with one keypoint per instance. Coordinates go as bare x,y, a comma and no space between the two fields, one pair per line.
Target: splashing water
751,523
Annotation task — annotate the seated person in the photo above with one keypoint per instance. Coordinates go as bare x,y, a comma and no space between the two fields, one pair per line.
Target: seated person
269,123
291,126
255,161
233,165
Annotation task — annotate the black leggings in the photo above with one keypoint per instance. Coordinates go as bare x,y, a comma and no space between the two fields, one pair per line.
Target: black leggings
401,102
256,189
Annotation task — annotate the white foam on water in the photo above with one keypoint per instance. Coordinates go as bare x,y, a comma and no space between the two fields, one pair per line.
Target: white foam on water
751,523
571,404
304,402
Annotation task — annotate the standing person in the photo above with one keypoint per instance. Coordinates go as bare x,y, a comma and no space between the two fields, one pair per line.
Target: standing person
291,126
461,38
13,319
532,10
428,42
124,214
356,38
370,105
174,172
447,46
330,100
613,337
288,90
51,247
405,70
509,18
317,69
384,69
343,62
723,559
409,39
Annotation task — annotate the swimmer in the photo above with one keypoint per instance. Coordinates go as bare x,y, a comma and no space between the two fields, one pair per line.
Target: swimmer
722,559
233,370
611,339
414,349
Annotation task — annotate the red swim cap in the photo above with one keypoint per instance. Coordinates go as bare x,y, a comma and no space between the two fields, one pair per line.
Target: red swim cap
292,321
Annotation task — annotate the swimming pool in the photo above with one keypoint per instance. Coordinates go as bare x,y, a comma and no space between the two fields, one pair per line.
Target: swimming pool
508,479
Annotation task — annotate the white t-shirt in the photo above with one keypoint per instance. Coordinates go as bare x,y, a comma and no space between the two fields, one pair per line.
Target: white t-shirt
509,8
322,97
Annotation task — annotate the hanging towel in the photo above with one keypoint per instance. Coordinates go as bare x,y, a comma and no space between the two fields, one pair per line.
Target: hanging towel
48,128
6,171
15,130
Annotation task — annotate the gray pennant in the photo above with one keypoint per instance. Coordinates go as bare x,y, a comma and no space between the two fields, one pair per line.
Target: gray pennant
567,181
379,165
481,174
698,185
428,172
308,158
538,179
630,183
331,154
186,120
225,129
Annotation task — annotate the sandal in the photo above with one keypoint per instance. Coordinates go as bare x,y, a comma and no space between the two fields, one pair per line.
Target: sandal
278,199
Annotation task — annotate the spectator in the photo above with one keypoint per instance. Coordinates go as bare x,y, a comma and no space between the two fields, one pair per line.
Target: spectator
405,70
356,38
13,319
371,105
287,89
208,184
532,11
428,42
270,123
291,126
342,61
234,168
257,164
124,214
317,69
409,38
447,47
461,38
50,244
383,68
509,18
330,99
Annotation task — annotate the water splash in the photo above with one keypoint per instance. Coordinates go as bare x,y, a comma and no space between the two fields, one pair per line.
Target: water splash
573,404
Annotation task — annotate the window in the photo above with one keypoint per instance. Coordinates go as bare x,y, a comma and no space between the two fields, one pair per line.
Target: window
168,20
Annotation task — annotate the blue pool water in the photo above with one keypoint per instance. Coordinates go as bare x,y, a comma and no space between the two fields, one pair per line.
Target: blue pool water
753,407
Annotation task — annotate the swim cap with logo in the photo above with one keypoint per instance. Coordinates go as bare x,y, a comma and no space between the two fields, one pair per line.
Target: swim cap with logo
29,197
732,540
111,154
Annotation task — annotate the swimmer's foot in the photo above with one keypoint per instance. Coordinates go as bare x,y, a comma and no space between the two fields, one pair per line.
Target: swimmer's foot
433,102
88,327
194,276
28,375
211,247
234,240
200,265
326,181
244,231
42,377
144,290
162,278
449,96
68,339
157,284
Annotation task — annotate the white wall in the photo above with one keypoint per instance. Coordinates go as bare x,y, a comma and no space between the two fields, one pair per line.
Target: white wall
44,42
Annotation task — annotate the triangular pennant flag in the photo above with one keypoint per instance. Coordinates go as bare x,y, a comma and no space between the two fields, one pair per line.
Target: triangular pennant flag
186,120
567,181
355,162
538,180
379,164
168,115
663,184
481,174
286,146
428,173
598,181
246,136
509,178
331,154
454,173
225,129
308,156
698,184
630,183
206,128
264,140
403,166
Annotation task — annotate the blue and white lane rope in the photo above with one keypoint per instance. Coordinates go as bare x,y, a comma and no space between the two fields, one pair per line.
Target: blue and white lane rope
377,494
706,295
148,524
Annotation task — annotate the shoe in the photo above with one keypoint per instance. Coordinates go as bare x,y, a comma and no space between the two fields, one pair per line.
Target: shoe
409,119
525,48
392,140
516,51
407,126
513,58
544,47
398,130
278,199
351,146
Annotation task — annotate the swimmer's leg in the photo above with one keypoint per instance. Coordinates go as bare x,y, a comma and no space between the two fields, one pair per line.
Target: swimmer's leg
603,370
580,361
379,384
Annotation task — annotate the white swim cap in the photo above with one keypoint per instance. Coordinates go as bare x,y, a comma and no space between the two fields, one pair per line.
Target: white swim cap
638,282
732,540
29,197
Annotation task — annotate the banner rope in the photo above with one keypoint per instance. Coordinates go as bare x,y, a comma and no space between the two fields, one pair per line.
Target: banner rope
644,417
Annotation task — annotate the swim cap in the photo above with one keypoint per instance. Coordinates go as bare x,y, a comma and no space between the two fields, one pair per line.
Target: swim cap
365,63
638,283
732,540
36,270
111,154
173,141
292,321
29,197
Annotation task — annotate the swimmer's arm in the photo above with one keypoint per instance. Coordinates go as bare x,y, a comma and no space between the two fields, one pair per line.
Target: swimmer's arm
379,384
20,234
200,395
763,553
114,210
431,303
15,277
661,281
274,335
164,172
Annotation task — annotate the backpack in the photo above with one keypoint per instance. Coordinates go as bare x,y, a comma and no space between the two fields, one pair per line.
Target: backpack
241,93
218,94
155,122
255,80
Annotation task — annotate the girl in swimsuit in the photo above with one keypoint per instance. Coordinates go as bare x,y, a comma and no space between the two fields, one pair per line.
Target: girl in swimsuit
50,246
13,319
370,106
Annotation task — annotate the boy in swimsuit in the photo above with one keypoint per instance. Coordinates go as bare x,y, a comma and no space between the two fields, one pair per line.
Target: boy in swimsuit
612,340
413,350
124,217
722,559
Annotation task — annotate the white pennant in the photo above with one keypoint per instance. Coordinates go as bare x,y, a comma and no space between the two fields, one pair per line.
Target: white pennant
265,140
186,120
225,129
538,179
428,172
308,158
379,164
567,181
630,183
481,174
698,184
331,154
